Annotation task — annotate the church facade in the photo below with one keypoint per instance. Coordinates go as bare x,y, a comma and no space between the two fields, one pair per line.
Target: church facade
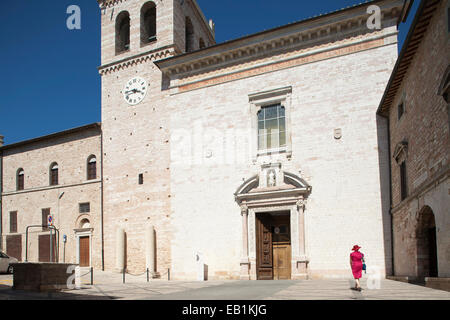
261,157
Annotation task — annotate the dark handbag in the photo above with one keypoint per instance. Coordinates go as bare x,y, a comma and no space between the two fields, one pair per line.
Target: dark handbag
364,265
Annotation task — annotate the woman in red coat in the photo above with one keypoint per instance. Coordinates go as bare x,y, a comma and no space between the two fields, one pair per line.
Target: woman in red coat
356,263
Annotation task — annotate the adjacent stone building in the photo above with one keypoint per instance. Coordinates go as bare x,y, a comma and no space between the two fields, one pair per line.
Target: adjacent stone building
57,175
416,106
258,158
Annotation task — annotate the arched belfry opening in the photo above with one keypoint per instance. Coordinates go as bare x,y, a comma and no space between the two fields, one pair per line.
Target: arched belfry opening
273,206
427,262
148,22
123,32
201,44
189,35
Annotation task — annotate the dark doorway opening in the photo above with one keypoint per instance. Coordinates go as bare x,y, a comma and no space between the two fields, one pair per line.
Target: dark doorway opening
427,261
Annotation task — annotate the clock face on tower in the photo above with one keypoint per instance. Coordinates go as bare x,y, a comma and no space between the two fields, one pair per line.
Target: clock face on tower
135,90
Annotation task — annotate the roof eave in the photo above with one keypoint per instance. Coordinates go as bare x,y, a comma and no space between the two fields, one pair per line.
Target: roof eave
199,54
384,107
95,125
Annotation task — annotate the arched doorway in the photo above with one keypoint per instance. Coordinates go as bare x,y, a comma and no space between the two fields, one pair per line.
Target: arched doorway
427,264
83,236
272,207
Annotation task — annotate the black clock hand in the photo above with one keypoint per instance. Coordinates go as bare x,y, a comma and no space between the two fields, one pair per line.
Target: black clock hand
133,91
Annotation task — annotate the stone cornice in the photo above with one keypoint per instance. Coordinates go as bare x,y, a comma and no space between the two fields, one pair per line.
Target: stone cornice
290,37
276,63
38,189
152,55
288,196
439,178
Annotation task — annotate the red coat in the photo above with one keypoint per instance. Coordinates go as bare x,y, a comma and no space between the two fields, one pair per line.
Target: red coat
357,264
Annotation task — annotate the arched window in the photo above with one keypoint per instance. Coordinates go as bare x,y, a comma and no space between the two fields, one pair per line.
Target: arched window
92,168
189,35
20,179
54,174
85,224
122,32
148,22
201,43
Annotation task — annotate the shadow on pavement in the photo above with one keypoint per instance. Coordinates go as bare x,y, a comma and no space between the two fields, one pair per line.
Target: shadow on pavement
7,293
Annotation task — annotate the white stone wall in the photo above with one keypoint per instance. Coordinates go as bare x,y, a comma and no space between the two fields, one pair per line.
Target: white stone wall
345,207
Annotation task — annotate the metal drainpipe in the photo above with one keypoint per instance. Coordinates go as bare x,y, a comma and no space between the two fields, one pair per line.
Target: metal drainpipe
101,196
390,195
390,191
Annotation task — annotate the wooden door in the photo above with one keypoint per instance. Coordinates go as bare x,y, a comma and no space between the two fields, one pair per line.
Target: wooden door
273,246
281,247
14,246
264,259
282,261
44,248
84,252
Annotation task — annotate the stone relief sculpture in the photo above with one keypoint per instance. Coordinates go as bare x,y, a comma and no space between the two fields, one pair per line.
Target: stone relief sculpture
271,180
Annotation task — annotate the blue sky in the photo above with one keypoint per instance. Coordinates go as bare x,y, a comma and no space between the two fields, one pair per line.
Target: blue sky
49,80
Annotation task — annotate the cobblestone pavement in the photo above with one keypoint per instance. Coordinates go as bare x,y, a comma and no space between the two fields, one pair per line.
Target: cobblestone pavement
109,286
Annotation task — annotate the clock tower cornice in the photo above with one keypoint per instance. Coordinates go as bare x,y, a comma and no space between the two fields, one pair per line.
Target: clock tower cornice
109,3
153,55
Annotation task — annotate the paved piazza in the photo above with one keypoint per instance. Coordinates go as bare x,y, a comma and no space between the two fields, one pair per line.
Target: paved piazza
109,286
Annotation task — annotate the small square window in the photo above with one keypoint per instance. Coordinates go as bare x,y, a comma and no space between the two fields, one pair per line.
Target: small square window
85,207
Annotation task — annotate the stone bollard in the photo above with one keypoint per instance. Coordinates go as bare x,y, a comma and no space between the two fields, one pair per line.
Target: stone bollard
199,260
150,249
120,250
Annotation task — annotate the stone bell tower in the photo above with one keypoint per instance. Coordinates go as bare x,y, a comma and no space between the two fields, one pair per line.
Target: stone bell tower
136,123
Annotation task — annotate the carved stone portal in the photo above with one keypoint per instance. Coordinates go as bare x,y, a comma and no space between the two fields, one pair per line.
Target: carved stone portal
269,192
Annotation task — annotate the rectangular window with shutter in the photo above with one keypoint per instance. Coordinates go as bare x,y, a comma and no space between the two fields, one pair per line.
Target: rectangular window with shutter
403,181
13,222
92,170
54,177
448,17
20,181
45,215
401,110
